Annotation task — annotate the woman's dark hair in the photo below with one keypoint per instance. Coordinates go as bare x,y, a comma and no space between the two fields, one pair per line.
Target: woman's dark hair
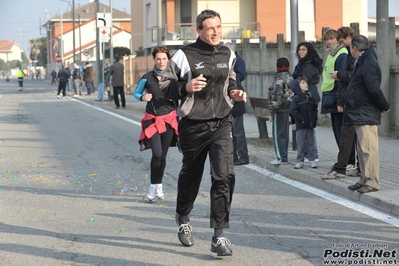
161,49
312,53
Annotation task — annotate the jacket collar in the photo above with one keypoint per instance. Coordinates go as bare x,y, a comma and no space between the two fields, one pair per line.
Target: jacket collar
207,46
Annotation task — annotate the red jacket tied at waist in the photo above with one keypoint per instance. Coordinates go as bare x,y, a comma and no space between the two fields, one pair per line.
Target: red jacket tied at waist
159,124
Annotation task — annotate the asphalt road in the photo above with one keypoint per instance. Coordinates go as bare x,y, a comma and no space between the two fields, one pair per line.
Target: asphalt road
72,182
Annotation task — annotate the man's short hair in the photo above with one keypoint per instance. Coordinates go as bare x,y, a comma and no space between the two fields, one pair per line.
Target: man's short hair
330,34
360,42
344,32
205,15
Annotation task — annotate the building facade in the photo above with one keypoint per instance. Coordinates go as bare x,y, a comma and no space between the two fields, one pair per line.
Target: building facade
240,19
10,51
81,26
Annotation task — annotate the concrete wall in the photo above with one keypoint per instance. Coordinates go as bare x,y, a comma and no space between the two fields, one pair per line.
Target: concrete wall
260,61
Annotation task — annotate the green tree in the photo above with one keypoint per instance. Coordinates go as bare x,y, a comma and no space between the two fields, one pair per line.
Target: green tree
119,51
38,51
2,64
140,52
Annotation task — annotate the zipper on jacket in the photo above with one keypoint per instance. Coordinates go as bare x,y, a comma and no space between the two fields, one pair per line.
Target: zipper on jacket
213,83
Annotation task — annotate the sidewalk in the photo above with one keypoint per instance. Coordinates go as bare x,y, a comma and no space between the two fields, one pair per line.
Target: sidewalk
387,199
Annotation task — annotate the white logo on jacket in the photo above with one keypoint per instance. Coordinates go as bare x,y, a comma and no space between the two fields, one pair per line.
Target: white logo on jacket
199,65
222,65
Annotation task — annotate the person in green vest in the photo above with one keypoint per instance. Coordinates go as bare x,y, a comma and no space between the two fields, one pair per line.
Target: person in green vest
336,61
20,76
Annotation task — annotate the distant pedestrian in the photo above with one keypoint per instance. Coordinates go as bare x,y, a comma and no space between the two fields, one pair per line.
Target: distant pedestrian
89,75
240,148
63,77
76,77
159,125
103,83
117,72
364,104
20,76
303,109
54,79
280,96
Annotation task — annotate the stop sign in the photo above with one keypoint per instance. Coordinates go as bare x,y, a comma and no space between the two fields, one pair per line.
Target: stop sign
58,58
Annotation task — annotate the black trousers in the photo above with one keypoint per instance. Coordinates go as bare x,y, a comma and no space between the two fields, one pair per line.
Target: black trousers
160,144
281,135
119,90
61,87
197,140
346,154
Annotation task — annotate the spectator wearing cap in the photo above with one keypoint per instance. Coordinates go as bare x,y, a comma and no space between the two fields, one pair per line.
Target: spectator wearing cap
89,75
280,96
117,72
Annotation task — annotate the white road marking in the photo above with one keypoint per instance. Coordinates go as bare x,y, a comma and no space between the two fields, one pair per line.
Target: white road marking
342,201
110,113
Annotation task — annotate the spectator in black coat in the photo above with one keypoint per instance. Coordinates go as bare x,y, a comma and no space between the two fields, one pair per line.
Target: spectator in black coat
239,139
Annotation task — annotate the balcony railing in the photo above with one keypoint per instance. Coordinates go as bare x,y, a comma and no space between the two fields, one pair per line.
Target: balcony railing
187,31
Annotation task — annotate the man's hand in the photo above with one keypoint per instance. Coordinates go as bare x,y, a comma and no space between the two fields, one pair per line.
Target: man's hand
196,84
238,95
386,111
340,109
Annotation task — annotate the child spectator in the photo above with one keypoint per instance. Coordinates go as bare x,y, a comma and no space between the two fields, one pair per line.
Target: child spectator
304,110
280,96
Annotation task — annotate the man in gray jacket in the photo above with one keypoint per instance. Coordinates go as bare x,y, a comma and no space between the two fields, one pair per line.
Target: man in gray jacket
117,72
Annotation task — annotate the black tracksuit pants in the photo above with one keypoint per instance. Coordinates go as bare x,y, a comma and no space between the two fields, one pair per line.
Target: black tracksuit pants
197,140
346,154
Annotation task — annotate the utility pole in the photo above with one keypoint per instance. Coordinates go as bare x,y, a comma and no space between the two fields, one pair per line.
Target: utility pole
98,47
61,39
294,33
159,36
111,50
383,58
73,29
80,41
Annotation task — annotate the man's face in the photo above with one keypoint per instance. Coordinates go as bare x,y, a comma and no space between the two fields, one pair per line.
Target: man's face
345,41
331,42
354,51
211,31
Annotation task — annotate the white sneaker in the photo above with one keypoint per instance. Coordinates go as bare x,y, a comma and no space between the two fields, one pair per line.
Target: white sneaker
316,160
313,164
58,96
159,192
277,162
63,98
151,192
298,165
76,95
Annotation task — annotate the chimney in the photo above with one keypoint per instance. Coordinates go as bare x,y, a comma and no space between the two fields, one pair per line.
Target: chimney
125,10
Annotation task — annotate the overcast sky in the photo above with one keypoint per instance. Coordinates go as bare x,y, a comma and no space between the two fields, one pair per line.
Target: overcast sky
19,19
